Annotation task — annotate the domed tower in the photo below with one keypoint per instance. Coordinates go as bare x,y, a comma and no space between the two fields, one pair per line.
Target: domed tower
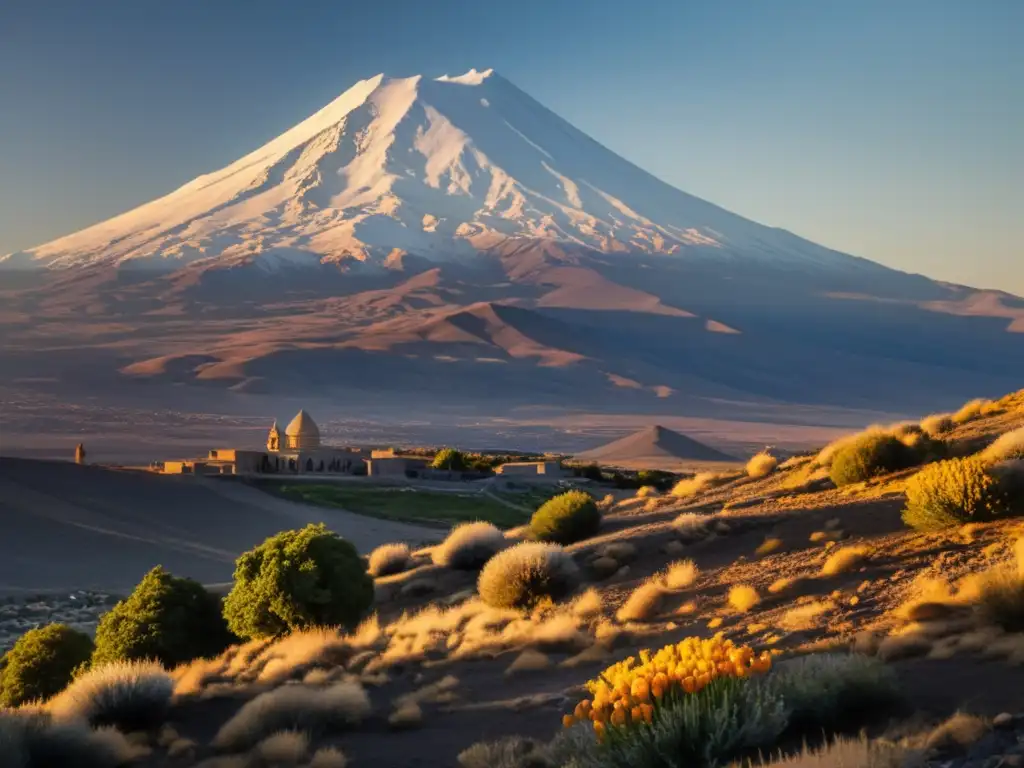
274,438
302,434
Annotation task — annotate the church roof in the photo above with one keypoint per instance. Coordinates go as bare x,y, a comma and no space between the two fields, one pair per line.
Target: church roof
273,427
302,426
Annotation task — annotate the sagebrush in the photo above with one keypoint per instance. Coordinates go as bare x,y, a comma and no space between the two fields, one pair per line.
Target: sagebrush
566,518
527,574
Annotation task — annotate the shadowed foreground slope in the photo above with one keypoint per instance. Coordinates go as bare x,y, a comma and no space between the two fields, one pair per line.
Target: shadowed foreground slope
80,527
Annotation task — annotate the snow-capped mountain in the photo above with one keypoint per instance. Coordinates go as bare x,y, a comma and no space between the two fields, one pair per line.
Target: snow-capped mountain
452,240
433,167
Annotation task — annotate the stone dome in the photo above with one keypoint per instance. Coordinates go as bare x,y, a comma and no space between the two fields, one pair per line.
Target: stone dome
302,433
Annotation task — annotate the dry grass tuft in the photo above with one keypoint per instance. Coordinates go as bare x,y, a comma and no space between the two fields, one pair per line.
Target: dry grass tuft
1009,445
469,546
510,752
646,492
743,597
700,482
130,695
806,616
530,660
644,603
388,559
844,560
691,527
294,707
295,653
588,605
181,747
761,464
1001,598
972,410
903,647
959,731
681,574
523,575
768,546
328,757
938,424
283,748
620,551
787,584
845,753
408,714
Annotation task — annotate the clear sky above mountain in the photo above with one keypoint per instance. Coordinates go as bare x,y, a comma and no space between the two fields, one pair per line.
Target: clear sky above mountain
888,130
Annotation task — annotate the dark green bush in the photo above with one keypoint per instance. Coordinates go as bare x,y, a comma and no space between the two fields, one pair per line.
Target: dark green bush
872,454
42,663
567,518
166,618
298,579
450,459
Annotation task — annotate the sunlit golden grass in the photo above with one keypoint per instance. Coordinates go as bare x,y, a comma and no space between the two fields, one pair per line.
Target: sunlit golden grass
761,465
743,597
845,559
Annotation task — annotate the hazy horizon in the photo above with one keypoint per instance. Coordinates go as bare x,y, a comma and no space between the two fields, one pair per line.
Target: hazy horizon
888,133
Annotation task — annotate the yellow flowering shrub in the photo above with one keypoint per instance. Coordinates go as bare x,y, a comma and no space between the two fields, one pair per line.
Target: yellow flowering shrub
631,691
953,492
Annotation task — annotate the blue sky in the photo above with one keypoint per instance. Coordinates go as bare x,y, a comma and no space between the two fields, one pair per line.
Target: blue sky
891,129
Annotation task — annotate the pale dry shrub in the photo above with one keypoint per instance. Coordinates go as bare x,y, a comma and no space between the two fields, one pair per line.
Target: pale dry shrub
620,551
845,753
960,730
191,678
971,410
314,710
524,575
30,739
130,695
295,653
644,603
761,465
509,752
681,574
768,546
786,584
328,757
283,747
646,491
691,527
1000,597
700,482
743,597
1009,445
588,605
181,747
844,560
806,616
938,424
469,546
530,660
407,714
388,559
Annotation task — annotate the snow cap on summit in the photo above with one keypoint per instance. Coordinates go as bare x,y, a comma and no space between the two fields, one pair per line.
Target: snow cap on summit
470,78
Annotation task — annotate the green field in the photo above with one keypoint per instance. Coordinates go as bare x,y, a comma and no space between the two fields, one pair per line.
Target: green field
414,506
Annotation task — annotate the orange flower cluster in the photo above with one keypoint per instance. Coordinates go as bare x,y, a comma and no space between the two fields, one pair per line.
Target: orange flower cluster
628,692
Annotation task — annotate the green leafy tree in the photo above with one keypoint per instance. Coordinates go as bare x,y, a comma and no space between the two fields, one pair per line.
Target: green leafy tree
450,459
298,579
167,618
42,663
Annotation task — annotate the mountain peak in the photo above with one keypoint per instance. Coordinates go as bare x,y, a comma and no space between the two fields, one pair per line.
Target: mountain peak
472,77
424,167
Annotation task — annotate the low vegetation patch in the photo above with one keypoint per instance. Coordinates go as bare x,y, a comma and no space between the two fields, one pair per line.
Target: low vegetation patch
166,618
526,574
294,707
130,695
743,597
566,519
42,663
830,690
388,559
974,409
953,492
938,424
844,560
469,546
845,753
298,579
700,482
